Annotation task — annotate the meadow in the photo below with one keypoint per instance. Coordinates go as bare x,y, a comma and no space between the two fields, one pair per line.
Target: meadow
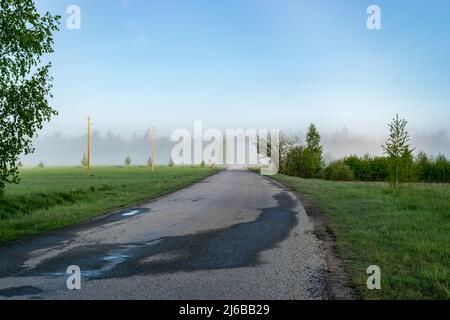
405,232
53,198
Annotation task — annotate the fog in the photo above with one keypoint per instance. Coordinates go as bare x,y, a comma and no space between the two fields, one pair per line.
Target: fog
342,143
109,148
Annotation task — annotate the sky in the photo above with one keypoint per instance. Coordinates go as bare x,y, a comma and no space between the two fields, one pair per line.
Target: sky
278,64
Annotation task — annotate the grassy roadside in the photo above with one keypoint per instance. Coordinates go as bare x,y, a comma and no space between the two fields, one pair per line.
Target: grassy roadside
406,233
54,198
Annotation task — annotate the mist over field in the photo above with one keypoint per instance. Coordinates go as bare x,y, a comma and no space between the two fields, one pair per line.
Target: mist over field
109,148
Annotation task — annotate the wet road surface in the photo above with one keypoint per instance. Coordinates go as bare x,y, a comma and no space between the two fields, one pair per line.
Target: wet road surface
236,235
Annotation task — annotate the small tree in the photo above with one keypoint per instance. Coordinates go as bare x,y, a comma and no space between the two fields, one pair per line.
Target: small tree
314,150
150,162
171,164
128,161
41,165
397,149
286,143
84,160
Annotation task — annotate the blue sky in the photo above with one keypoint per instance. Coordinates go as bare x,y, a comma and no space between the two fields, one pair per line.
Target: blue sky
252,64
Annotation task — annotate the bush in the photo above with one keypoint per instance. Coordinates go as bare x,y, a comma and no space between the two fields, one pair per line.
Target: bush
420,169
428,169
338,171
128,161
379,169
41,165
302,163
440,170
367,168
423,167
361,167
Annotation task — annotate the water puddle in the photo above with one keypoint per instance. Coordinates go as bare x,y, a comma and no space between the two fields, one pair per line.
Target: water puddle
130,214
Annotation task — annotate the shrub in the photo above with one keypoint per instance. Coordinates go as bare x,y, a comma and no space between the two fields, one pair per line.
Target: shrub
128,161
338,171
379,169
361,167
301,163
440,169
423,167
428,169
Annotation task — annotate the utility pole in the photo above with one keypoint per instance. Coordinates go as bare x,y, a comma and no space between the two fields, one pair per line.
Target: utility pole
153,148
88,164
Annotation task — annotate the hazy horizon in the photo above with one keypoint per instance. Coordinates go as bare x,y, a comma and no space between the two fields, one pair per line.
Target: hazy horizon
111,148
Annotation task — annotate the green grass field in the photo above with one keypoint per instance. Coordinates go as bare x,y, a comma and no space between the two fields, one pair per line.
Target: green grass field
54,198
405,233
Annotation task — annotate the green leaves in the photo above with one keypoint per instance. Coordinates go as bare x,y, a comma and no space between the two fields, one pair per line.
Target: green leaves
398,150
25,84
305,162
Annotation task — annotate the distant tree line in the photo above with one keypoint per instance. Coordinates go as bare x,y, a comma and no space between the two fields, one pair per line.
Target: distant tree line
396,166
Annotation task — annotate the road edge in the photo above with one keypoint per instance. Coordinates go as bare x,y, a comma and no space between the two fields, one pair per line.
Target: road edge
338,283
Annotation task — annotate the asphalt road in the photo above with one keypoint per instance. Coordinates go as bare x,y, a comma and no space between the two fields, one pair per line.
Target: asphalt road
236,235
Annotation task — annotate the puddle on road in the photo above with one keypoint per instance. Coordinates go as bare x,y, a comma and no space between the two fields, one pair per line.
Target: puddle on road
133,212
130,214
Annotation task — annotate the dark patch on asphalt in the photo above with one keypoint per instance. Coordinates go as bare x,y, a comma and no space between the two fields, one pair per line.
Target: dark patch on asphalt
20,291
17,253
233,247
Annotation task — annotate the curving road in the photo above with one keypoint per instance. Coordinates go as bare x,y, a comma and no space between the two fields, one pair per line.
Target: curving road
236,235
